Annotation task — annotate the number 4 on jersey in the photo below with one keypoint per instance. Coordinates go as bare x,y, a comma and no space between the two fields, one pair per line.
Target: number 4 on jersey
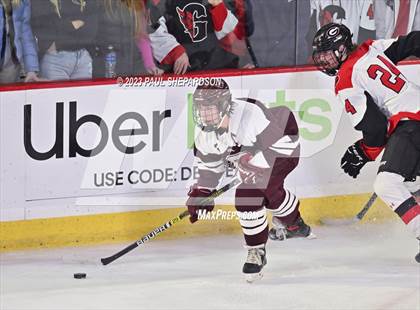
349,107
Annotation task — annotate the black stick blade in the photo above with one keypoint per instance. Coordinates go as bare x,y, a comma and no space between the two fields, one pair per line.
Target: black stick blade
105,261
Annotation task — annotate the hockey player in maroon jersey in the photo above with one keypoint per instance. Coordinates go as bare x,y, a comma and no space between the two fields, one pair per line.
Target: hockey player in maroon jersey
384,105
264,145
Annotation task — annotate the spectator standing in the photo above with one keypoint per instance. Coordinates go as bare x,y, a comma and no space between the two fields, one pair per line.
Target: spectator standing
141,14
396,17
66,32
279,37
124,26
18,46
238,42
196,35
357,15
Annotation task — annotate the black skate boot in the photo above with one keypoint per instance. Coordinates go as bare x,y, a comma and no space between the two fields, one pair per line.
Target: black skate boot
418,254
255,262
298,229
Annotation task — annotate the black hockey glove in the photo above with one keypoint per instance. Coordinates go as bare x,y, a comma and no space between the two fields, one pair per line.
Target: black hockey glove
197,194
354,159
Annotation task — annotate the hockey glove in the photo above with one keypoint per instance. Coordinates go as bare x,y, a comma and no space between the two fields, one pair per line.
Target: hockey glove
196,196
354,159
250,174
232,161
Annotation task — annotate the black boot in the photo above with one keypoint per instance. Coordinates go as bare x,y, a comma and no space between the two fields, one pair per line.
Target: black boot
298,229
255,262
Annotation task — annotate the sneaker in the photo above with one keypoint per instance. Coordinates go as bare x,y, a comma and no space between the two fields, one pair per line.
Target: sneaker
254,264
299,229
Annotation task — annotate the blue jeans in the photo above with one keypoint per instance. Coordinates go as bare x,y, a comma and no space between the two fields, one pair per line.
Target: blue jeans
67,65
9,70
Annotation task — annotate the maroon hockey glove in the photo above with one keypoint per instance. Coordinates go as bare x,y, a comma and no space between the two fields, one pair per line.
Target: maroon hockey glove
197,194
232,161
249,173
354,159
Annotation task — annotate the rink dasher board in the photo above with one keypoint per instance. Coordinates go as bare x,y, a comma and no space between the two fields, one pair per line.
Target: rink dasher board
46,177
129,226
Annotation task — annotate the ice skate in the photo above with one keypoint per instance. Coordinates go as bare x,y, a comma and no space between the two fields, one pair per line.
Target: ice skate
299,229
254,264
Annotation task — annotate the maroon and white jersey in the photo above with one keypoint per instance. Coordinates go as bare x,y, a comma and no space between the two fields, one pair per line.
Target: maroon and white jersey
266,133
375,94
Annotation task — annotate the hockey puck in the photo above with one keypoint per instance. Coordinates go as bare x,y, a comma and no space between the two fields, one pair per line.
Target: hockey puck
79,275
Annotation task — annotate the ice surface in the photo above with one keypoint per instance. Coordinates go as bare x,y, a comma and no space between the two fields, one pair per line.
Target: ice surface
351,267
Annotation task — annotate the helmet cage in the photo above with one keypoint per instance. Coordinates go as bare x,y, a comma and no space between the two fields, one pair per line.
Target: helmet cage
327,61
331,46
210,106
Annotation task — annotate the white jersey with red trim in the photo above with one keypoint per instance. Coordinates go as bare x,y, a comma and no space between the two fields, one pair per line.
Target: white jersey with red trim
369,72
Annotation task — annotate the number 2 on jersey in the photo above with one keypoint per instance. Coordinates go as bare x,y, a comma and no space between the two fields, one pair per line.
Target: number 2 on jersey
386,76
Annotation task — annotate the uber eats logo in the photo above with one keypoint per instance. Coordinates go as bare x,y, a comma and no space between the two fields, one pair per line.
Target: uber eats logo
311,114
113,132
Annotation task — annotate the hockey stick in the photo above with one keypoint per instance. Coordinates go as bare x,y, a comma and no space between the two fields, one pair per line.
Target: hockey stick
356,218
167,225
251,52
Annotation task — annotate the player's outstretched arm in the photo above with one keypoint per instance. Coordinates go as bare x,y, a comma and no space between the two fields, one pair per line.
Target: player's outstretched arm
404,46
373,124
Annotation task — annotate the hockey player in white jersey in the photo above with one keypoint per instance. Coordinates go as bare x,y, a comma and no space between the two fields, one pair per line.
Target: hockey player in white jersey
264,145
381,103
